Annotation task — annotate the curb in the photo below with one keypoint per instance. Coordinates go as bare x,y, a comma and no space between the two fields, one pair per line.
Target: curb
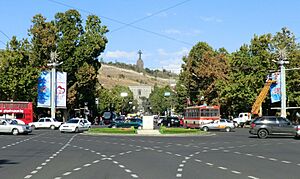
150,135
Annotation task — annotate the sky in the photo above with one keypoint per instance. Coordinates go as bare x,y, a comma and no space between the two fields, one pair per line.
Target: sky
164,30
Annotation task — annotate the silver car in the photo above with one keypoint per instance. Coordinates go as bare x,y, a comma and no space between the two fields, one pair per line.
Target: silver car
12,126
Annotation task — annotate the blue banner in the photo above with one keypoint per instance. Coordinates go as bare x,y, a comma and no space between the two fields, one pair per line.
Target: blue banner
275,88
44,89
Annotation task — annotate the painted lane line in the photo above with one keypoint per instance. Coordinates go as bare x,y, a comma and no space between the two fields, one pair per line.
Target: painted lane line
134,176
28,176
178,175
252,177
127,170
87,165
288,162
67,173
273,159
222,168
236,172
76,169
210,164
262,157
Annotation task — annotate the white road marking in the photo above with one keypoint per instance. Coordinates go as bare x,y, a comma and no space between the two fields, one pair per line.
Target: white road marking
28,176
134,176
178,175
76,169
179,169
286,161
236,172
222,168
273,159
253,177
210,164
67,173
127,170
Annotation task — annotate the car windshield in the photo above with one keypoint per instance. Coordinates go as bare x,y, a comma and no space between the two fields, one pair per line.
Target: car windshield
73,121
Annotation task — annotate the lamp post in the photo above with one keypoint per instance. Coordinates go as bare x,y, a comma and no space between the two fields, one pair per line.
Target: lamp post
53,57
282,60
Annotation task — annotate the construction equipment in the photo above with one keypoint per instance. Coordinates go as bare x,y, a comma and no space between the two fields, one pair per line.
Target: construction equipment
256,108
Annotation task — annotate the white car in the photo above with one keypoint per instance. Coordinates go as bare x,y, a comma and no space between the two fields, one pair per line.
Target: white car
87,123
11,126
74,125
222,124
45,123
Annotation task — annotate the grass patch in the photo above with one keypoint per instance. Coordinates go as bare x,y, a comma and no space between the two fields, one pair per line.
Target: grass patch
164,130
113,130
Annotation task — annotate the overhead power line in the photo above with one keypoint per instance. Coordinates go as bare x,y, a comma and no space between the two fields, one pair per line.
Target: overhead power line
4,34
123,23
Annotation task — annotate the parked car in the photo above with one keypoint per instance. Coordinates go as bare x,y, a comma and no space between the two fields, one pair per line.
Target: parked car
170,121
87,123
108,117
222,124
137,123
74,125
45,122
12,126
272,125
18,121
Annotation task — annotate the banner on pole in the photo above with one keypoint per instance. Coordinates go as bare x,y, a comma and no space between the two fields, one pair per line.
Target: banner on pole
275,88
44,89
61,89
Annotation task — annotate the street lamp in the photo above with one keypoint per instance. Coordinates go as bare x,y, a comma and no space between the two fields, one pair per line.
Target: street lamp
53,57
281,62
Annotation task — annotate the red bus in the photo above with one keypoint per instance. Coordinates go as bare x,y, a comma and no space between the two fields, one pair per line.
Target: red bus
17,109
197,115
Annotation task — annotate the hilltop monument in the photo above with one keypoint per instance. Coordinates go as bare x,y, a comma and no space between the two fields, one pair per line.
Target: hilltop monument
140,63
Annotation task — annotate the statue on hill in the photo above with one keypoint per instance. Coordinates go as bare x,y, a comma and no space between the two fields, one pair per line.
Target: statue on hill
140,63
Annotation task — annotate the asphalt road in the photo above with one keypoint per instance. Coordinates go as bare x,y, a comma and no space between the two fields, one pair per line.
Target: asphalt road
49,154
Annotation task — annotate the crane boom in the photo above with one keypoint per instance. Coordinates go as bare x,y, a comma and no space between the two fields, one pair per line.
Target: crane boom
261,97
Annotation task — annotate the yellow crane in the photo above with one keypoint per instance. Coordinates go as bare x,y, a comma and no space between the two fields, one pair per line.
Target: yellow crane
256,108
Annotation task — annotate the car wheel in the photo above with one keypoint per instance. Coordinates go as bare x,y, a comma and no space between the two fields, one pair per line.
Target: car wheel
227,129
262,133
62,131
33,126
205,129
76,130
15,131
52,127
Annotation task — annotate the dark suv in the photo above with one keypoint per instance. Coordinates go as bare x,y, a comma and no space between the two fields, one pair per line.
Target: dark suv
272,125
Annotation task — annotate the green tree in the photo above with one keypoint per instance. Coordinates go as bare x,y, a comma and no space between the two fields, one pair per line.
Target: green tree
202,69
18,75
78,47
159,102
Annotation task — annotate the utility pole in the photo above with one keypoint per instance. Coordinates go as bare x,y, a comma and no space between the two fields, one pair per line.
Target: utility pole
53,64
281,62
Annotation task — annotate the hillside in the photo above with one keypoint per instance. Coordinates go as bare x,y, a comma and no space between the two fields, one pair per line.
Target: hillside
110,76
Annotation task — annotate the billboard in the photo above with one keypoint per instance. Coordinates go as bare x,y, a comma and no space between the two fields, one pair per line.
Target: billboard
275,88
44,90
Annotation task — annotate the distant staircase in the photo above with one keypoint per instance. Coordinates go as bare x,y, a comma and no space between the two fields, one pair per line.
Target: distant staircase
261,97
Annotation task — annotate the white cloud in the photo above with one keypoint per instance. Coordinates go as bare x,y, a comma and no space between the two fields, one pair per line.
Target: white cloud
171,61
210,19
190,32
173,31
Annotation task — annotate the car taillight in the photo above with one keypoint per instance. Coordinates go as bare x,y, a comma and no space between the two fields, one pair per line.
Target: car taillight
253,125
